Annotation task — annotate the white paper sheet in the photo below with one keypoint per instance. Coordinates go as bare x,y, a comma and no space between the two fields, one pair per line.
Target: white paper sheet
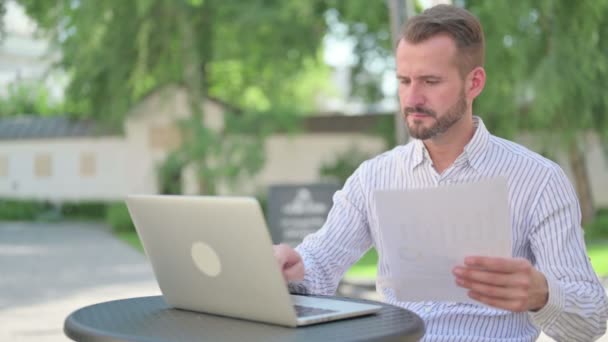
424,233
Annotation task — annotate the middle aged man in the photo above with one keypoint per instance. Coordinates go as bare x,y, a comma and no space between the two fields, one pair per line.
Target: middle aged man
548,284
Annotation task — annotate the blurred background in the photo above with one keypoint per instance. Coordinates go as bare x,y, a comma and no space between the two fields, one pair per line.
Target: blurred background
100,99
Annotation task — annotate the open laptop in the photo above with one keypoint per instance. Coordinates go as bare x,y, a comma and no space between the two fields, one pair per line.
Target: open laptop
215,255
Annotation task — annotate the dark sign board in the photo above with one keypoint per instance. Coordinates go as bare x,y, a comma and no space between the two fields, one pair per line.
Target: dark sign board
295,211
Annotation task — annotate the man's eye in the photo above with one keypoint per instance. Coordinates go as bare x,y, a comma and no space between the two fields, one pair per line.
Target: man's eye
431,82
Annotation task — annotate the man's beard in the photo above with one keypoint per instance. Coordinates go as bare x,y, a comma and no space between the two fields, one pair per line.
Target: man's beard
441,125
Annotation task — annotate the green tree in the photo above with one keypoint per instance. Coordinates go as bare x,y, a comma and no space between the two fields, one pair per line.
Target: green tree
547,66
30,99
254,55
366,25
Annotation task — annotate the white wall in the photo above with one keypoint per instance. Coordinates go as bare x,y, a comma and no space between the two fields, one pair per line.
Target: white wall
597,166
293,159
129,165
161,109
110,181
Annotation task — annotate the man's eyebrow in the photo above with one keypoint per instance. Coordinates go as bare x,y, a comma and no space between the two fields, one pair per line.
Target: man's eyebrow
421,77
427,77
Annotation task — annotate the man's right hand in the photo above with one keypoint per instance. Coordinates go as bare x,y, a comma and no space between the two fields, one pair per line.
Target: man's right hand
290,262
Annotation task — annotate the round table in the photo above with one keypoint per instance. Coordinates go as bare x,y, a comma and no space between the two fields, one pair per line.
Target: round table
150,319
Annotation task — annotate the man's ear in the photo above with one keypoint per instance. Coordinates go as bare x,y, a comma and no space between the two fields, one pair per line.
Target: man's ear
475,82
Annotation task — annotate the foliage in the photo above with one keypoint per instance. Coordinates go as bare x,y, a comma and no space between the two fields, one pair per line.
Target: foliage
89,210
41,210
547,68
366,25
31,99
170,174
598,255
366,267
119,219
343,165
598,228
547,65
2,13
385,128
118,51
21,210
131,239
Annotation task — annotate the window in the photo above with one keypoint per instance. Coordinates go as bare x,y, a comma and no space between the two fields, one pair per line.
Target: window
43,166
165,137
3,166
87,164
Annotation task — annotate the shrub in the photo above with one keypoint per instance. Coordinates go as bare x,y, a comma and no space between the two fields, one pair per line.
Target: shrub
21,210
599,227
84,210
342,166
119,219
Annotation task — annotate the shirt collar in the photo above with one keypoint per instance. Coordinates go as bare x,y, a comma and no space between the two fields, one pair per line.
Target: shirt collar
420,153
473,153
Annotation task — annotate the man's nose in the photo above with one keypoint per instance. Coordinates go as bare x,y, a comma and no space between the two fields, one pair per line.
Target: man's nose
413,96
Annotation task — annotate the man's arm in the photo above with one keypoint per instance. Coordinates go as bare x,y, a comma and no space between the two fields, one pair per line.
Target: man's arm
561,291
328,253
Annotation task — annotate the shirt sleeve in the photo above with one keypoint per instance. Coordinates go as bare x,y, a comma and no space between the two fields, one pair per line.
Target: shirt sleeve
345,236
577,307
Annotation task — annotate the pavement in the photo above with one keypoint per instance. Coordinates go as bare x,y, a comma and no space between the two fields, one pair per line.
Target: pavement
48,270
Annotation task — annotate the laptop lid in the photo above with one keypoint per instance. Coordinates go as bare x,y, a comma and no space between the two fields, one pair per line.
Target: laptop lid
214,254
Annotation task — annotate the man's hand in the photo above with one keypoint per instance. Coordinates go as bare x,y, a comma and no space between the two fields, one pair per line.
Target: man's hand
507,283
290,262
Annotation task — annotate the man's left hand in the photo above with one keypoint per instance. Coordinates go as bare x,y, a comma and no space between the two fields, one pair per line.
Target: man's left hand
507,283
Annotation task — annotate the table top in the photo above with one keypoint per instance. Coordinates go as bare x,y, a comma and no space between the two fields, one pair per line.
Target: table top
151,319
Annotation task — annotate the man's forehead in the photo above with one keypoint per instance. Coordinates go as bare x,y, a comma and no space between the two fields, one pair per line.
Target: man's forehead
437,46
431,54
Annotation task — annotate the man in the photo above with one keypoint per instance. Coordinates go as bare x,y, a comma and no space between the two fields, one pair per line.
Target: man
548,284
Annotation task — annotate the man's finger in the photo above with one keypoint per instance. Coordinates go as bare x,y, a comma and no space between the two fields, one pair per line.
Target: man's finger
503,265
492,278
280,256
294,272
496,292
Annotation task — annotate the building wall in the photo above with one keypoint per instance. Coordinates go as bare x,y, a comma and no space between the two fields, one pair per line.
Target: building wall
298,158
54,169
597,166
64,169
152,132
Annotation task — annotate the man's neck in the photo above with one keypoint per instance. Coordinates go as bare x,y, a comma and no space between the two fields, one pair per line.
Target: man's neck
447,147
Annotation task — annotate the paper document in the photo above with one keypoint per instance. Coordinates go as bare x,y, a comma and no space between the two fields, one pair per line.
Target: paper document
424,233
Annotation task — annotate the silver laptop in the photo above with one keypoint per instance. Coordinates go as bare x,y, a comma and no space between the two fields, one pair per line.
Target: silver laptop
214,255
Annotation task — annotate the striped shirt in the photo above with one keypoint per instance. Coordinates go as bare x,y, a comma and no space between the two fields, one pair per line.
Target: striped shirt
546,228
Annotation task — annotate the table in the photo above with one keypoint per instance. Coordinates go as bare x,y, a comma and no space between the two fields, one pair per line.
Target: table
151,319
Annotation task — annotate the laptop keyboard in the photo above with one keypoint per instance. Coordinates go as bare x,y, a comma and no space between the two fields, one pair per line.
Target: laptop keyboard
305,311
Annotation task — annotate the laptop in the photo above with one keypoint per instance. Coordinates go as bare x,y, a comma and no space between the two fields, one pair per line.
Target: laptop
214,255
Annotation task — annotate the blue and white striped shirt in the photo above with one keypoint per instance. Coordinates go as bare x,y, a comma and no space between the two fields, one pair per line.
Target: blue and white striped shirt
545,218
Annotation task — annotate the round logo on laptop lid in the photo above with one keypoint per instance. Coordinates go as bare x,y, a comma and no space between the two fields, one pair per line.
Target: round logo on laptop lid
206,259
